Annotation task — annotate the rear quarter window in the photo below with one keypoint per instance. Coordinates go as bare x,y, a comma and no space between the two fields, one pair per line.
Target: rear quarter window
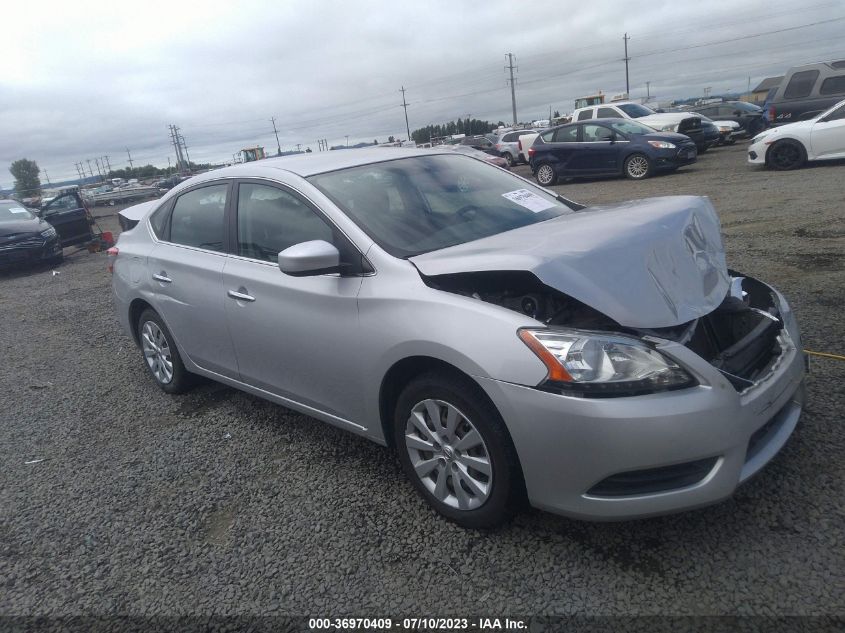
607,113
584,115
833,86
801,84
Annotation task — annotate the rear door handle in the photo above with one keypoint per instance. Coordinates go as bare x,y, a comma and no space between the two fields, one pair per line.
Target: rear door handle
241,296
162,277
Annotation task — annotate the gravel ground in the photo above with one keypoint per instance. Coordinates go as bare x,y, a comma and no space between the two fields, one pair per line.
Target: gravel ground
216,502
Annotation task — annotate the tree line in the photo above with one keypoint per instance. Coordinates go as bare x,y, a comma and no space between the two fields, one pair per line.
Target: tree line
459,126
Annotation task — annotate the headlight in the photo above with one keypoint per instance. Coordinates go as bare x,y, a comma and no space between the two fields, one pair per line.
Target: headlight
599,364
662,144
759,137
725,128
51,232
669,128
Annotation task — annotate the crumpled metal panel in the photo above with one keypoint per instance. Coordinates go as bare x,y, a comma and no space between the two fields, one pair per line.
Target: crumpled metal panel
649,263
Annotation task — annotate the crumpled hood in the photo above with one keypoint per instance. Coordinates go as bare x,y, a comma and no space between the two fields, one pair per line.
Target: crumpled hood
649,263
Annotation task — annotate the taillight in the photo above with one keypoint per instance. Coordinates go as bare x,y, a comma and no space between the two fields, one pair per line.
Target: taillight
531,152
519,141
112,254
771,114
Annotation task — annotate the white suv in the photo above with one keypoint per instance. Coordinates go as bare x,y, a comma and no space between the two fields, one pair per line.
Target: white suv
507,144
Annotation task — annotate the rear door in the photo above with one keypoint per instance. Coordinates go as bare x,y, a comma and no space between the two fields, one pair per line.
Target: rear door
68,216
296,337
185,271
565,150
827,137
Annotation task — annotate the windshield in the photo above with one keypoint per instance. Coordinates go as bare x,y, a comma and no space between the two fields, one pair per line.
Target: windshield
635,110
419,204
11,211
631,127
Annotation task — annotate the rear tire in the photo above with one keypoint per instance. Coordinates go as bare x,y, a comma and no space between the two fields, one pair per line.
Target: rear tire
509,158
546,175
786,155
637,167
455,449
161,356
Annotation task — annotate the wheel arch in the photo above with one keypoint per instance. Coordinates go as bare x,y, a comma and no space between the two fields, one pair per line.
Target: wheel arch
136,308
791,138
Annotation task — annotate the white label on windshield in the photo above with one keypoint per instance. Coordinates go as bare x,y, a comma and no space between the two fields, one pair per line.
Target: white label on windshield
529,200
17,210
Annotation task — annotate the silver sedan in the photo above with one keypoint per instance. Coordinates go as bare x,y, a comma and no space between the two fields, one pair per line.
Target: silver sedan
510,344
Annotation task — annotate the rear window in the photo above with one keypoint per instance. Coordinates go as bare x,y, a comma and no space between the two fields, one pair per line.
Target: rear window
833,86
801,84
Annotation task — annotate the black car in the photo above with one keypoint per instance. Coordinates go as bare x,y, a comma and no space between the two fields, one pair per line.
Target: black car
751,118
26,238
607,147
67,213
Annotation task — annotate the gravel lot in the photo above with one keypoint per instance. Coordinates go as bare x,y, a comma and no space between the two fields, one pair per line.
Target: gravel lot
219,503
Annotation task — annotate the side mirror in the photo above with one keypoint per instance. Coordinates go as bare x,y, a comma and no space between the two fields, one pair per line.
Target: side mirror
316,257
737,112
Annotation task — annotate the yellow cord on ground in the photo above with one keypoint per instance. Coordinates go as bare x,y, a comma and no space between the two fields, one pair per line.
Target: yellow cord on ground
824,355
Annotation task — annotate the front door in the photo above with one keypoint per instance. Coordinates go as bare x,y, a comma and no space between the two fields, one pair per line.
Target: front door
828,136
66,213
296,337
599,150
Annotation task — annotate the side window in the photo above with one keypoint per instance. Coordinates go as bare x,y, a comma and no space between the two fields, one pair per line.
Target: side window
197,218
567,134
585,114
801,84
725,110
607,113
594,133
833,86
158,221
271,219
509,138
836,115
548,136
62,203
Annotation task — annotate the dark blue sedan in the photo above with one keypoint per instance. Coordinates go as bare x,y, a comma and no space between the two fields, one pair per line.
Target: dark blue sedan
607,147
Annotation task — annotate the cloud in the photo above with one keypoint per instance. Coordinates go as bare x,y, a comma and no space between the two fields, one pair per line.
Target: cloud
92,78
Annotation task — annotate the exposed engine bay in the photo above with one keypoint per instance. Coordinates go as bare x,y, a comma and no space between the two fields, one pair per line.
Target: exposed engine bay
740,337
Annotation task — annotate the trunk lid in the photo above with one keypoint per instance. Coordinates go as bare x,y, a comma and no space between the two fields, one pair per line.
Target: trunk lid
649,263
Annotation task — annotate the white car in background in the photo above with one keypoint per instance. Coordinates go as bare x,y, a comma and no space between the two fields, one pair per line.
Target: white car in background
790,146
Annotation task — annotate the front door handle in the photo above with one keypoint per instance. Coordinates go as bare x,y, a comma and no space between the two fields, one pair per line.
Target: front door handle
240,296
162,277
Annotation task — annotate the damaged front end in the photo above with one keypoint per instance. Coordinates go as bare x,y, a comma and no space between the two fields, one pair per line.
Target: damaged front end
589,354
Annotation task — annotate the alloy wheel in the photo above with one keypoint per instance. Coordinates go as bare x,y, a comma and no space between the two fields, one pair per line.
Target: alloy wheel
448,455
785,155
157,352
545,174
637,166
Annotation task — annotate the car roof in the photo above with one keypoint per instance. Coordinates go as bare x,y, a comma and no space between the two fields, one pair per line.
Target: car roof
309,164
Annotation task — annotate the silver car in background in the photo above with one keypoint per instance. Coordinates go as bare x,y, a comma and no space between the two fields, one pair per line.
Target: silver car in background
602,362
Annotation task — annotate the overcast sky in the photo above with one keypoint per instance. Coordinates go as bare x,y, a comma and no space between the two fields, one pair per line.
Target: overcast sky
87,79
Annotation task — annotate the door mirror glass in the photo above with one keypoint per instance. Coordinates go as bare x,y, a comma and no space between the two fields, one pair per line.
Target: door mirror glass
316,257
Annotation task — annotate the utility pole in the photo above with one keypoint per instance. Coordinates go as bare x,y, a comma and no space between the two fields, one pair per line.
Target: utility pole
627,59
185,148
89,167
647,91
347,140
97,162
510,67
405,105
278,145
131,167
47,176
106,158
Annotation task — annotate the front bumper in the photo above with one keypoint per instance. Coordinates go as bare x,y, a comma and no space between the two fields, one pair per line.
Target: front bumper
568,445
757,153
30,251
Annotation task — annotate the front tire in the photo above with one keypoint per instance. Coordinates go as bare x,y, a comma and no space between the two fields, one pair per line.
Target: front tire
786,155
637,167
546,175
161,356
455,449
